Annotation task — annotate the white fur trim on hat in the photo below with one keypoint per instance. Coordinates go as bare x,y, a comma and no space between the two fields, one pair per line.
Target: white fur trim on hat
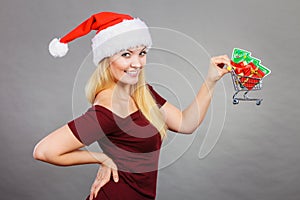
58,49
124,35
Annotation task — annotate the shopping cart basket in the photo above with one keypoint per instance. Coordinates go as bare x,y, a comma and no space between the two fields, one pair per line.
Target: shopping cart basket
245,84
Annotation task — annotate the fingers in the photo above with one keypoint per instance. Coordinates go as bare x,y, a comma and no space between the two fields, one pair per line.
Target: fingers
101,183
97,186
115,174
107,169
220,60
103,177
216,69
93,192
224,71
110,163
114,171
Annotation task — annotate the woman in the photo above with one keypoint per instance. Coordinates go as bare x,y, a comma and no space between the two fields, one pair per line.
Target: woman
127,117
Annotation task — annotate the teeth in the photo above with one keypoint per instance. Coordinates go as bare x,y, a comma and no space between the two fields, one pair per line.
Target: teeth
132,72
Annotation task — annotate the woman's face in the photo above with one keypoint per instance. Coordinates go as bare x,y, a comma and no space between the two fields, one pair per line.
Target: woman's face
126,65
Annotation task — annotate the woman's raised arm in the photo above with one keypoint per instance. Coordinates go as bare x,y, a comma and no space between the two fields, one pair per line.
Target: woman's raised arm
188,120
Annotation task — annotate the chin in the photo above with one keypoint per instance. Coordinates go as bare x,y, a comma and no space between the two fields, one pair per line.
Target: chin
129,82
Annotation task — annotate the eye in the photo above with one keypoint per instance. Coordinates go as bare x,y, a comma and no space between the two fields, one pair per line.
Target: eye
143,53
126,54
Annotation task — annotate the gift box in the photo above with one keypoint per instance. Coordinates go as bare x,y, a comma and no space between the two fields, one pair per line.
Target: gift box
248,74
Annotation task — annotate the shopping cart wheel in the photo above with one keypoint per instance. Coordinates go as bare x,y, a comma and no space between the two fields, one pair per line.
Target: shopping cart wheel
235,101
258,102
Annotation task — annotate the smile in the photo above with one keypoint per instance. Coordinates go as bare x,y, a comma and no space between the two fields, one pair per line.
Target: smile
132,73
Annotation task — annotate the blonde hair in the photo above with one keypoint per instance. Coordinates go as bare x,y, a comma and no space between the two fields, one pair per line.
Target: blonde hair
102,79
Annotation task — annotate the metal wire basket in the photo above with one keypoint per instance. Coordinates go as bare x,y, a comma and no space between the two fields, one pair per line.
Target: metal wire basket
245,84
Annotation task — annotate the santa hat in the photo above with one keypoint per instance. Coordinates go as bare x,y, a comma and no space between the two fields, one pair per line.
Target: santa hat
115,32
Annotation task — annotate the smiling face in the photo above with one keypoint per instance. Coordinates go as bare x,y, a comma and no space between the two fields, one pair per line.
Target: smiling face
126,65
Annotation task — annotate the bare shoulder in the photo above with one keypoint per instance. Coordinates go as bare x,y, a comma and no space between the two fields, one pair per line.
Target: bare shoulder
103,98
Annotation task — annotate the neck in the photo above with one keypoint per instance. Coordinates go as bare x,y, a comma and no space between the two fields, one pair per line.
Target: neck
122,91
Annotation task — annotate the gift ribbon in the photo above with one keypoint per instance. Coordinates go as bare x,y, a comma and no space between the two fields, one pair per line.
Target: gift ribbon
249,70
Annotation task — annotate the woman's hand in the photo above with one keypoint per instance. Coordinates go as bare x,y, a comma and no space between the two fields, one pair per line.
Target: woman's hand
107,169
216,70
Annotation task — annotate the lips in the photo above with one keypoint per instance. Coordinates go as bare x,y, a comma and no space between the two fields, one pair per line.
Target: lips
132,73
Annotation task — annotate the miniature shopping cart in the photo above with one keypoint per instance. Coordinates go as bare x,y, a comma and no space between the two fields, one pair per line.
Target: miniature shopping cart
245,84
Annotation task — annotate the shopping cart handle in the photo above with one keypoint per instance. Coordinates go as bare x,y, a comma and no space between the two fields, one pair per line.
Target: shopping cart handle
229,68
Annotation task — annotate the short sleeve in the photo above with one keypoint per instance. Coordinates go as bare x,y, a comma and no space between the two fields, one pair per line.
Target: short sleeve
159,99
86,128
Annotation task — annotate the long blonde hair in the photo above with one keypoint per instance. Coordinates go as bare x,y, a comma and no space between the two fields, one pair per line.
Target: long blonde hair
102,79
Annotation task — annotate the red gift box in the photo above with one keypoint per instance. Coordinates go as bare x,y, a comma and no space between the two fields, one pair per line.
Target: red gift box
249,75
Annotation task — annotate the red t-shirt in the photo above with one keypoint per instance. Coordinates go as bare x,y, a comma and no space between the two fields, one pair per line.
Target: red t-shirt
132,143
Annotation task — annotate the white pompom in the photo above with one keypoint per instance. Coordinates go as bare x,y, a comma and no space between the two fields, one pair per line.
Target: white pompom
58,49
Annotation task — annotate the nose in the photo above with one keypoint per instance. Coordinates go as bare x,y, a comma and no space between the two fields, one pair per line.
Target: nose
136,62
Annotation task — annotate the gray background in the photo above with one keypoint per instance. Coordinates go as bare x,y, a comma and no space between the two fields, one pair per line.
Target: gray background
257,155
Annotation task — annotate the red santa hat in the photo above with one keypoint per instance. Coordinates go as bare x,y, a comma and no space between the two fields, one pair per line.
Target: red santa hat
115,32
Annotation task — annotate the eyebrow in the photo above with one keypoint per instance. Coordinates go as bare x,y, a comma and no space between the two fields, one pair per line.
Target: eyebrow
133,51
